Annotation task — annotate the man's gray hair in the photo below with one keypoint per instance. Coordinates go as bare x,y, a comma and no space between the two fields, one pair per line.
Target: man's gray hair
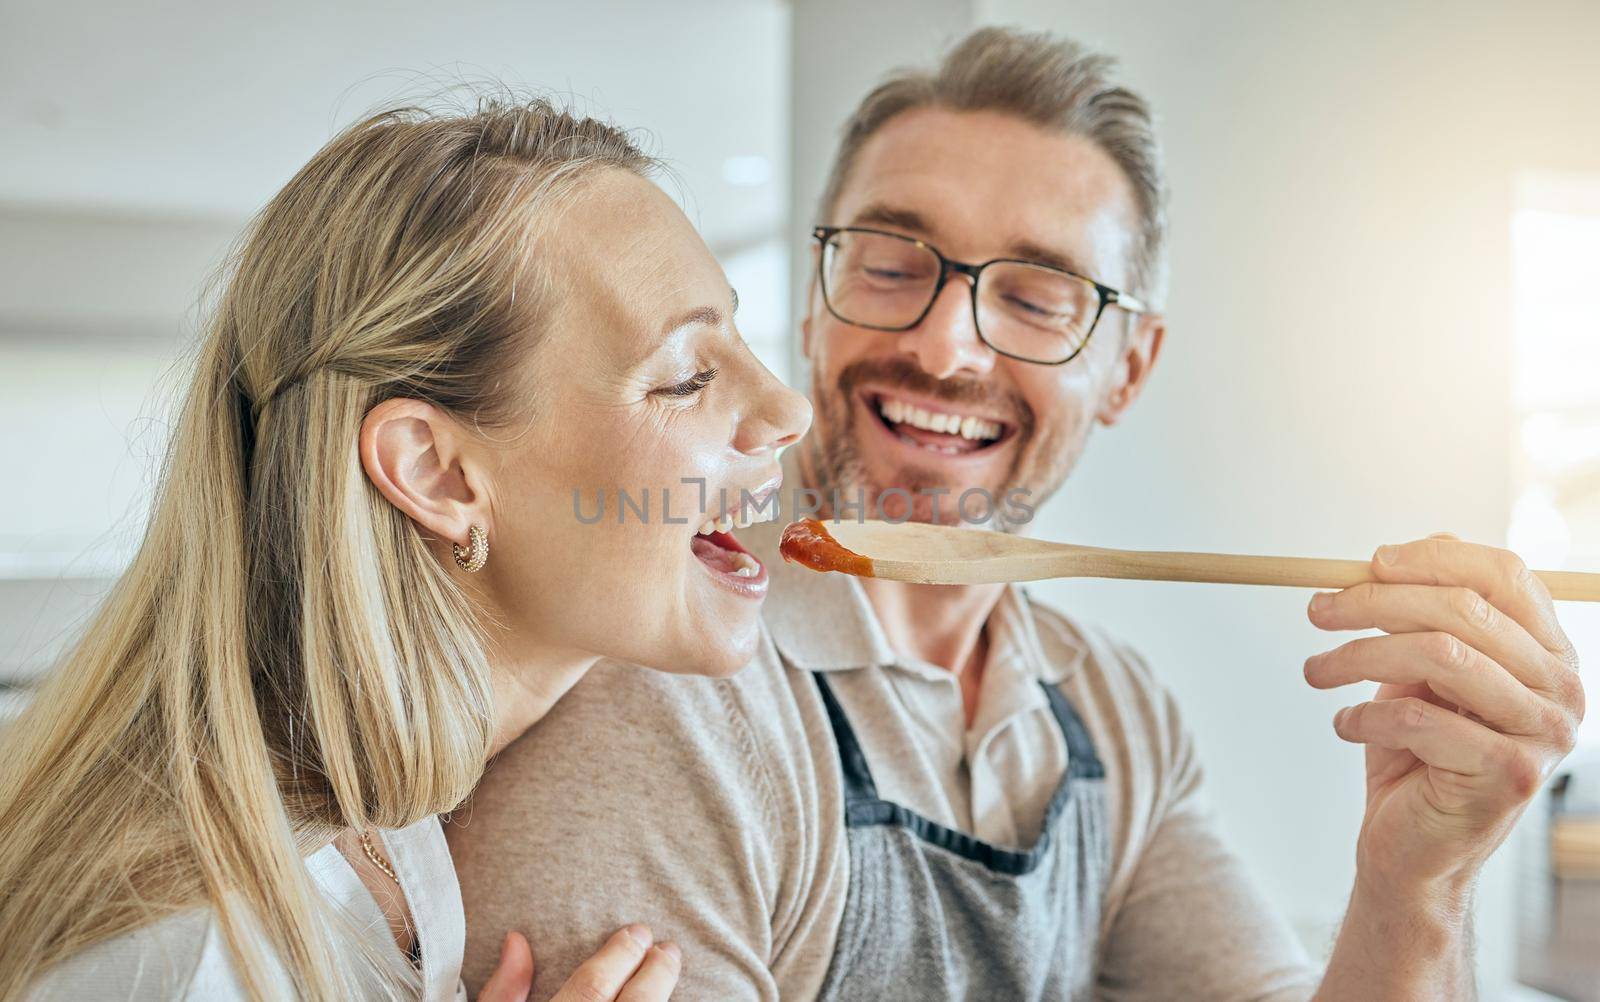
1051,82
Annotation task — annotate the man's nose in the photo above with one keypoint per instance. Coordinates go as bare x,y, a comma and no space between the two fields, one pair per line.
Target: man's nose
946,341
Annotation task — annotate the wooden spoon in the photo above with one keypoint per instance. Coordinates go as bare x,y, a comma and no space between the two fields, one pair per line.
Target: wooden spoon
942,554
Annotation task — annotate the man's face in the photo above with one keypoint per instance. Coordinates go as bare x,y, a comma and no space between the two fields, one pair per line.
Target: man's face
977,186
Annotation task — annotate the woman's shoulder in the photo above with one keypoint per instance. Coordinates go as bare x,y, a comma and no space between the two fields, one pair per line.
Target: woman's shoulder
184,956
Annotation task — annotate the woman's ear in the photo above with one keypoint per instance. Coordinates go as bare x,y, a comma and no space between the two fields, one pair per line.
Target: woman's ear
1140,349
415,455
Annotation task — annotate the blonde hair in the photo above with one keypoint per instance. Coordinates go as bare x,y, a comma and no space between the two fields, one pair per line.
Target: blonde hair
1045,80
285,657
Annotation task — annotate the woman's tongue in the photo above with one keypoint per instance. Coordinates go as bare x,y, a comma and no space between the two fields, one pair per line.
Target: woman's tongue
938,439
718,558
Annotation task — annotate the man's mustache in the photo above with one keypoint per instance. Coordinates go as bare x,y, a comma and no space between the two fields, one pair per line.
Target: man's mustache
906,375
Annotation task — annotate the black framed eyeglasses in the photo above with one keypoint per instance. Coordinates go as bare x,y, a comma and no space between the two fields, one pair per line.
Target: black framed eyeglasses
1022,309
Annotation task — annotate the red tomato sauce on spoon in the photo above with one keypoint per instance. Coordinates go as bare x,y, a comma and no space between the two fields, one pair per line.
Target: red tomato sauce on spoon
809,544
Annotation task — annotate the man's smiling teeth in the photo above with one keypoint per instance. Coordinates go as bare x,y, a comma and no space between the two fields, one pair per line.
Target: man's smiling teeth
967,426
746,516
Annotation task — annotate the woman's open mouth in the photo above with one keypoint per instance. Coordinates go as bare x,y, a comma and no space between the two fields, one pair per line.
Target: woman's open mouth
944,430
723,556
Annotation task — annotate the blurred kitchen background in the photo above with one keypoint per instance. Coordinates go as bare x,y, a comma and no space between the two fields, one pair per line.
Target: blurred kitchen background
1385,312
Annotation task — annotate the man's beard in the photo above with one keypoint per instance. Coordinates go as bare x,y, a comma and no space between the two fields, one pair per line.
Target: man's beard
835,467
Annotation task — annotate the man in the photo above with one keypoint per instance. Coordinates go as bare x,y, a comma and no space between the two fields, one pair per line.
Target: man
918,792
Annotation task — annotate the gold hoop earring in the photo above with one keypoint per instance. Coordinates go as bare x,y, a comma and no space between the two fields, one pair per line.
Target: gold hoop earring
476,554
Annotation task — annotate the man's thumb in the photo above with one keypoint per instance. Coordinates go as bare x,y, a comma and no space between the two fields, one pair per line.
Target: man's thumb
513,976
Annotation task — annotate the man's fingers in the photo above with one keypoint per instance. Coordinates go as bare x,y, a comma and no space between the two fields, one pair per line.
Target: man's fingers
1445,741
656,977
1458,611
513,976
602,976
1453,670
1499,576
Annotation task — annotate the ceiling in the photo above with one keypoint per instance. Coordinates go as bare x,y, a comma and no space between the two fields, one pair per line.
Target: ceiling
205,109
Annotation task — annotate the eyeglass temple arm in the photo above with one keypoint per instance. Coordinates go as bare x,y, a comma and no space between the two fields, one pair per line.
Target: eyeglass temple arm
1129,303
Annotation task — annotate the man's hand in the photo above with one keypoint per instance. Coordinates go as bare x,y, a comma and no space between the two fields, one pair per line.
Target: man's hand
1478,700
630,967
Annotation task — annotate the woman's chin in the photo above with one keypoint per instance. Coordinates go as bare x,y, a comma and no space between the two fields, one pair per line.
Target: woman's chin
710,629
721,668
719,647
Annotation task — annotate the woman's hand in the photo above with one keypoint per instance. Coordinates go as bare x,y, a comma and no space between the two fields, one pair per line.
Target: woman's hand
627,969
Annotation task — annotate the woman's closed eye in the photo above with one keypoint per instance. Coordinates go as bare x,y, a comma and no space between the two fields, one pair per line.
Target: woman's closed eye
689,387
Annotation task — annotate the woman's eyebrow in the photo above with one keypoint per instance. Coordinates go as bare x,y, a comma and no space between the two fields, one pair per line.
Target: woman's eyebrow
679,325
705,316
677,328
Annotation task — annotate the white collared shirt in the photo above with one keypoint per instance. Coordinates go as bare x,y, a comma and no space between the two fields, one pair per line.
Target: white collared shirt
993,779
186,956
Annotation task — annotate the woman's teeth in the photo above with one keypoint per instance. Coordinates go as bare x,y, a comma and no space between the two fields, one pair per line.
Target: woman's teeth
745,566
973,428
746,516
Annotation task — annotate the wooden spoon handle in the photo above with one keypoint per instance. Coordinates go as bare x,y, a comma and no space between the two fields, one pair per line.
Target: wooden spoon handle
1221,568
1297,572
1573,586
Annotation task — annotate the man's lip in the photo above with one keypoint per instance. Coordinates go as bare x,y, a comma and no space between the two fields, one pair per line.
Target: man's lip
937,405
870,398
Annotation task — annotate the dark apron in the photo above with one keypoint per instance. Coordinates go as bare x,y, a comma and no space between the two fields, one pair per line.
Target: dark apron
934,914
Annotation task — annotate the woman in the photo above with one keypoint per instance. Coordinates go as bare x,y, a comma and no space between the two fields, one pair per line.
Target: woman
363,573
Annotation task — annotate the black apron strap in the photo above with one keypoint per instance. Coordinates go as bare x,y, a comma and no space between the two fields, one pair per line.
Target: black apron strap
1082,762
858,784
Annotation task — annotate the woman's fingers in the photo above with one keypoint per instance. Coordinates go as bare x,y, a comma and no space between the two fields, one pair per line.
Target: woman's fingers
656,977
513,976
1450,668
602,976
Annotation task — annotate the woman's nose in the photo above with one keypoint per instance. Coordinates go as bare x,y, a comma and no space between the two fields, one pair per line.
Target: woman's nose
777,417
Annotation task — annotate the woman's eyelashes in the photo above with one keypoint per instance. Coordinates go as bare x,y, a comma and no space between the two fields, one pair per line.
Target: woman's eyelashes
689,387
